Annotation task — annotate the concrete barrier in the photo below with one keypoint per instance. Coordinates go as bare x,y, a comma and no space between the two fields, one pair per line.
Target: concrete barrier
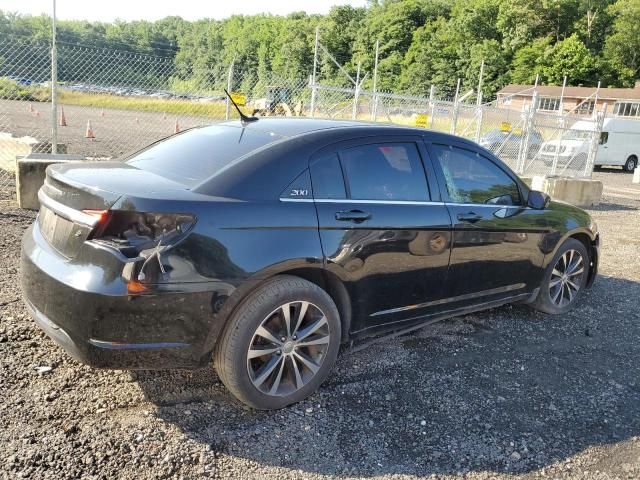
577,191
636,175
12,147
30,174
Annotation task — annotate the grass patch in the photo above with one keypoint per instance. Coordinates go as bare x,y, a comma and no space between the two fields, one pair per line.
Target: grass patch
12,90
178,107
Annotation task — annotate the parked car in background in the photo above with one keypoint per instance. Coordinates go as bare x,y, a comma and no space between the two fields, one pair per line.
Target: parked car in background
619,145
264,246
507,144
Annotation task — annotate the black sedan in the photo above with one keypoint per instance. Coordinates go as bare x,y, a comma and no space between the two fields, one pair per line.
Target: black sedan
264,247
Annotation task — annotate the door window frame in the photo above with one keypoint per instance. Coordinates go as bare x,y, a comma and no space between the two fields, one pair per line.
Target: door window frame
523,192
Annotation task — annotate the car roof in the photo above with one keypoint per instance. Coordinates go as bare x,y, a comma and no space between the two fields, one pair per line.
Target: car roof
291,127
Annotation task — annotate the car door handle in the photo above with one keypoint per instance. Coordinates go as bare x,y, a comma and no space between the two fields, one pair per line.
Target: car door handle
470,217
356,216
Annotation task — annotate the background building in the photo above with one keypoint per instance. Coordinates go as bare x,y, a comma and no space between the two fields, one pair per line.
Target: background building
623,102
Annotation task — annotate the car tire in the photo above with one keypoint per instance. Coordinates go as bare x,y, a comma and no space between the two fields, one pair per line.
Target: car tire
289,370
564,279
631,164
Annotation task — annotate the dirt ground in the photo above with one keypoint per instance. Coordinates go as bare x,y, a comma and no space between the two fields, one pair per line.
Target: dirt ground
503,394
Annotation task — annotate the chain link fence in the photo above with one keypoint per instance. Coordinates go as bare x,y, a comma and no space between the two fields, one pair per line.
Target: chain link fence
110,103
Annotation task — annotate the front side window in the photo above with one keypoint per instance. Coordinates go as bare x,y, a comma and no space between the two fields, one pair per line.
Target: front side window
472,178
389,171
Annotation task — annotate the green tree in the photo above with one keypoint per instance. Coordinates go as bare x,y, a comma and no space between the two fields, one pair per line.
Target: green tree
622,47
528,61
572,58
495,73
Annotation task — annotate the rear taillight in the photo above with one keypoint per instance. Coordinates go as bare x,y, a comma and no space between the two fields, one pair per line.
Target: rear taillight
99,215
137,233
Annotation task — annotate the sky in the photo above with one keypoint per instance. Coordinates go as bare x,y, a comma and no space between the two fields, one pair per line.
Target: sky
109,10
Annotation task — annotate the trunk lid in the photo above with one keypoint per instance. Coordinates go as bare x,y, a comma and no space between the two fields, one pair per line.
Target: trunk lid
72,189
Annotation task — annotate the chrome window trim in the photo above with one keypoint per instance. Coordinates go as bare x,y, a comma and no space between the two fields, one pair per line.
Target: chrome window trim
350,200
396,202
69,213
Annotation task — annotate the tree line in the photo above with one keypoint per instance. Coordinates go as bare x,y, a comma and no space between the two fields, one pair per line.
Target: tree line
421,43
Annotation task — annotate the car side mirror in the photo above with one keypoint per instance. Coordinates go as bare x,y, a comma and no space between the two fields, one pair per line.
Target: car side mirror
538,200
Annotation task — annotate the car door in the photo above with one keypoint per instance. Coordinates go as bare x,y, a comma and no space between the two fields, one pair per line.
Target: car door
496,247
383,229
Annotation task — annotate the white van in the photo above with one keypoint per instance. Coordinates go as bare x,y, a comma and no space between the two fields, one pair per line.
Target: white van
619,144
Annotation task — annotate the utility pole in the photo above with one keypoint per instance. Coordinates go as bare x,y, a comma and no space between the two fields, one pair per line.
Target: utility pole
54,84
313,75
375,83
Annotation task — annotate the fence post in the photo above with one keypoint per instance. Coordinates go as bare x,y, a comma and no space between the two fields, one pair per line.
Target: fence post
356,94
564,86
432,105
229,87
528,127
554,166
456,101
595,141
561,124
479,111
312,113
54,84
374,110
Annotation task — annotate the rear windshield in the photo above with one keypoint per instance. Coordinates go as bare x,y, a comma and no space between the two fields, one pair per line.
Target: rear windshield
195,155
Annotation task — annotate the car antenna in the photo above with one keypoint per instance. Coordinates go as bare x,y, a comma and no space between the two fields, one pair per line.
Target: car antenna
244,119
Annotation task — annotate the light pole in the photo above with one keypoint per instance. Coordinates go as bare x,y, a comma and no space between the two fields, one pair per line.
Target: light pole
54,84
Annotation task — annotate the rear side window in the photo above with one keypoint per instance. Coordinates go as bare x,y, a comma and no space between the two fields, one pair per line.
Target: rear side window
390,171
196,155
327,179
472,178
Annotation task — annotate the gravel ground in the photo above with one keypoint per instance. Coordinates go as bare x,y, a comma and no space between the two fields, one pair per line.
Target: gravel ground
507,393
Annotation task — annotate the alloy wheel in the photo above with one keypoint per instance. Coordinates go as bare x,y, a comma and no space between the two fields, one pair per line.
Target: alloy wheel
288,348
566,278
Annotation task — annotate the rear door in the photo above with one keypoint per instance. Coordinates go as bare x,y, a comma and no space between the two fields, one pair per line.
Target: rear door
603,154
383,228
496,249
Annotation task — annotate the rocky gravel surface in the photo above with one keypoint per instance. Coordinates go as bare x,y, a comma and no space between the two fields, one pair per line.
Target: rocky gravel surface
507,393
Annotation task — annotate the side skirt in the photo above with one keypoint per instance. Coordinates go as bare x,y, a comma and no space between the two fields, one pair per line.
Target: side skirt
356,345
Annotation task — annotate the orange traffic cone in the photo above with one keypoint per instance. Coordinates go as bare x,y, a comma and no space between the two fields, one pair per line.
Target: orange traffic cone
89,133
176,129
102,112
63,120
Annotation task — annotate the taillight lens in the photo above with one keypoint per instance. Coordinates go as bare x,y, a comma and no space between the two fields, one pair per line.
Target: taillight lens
134,232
